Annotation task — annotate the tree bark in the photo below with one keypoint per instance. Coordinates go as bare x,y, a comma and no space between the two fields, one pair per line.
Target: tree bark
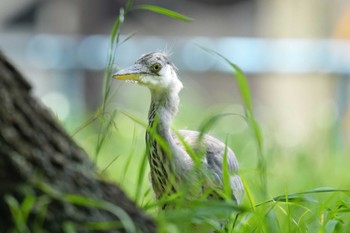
39,161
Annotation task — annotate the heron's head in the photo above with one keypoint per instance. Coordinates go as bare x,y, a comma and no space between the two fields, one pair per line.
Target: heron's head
153,70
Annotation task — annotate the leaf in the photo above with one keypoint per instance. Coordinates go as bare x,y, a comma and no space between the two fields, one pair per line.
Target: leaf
85,124
344,210
189,149
242,82
298,197
226,175
124,218
17,214
134,118
141,176
207,124
249,194
41,207
294,198
104,133
128,37
103,226
69,227
163,11
27,206
201,210
325,190
14,206
110,164
331,226
243,87
116,27
162,201
114,40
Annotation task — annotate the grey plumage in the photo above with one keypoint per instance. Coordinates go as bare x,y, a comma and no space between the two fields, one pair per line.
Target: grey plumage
171,166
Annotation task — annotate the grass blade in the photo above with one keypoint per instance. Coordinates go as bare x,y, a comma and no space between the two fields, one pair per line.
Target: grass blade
124,218
27,206
69,227
226,176
141,176
17,214
104,133
85,124
207,124
244,89
110,164
248,193
163,11
189,149
298,197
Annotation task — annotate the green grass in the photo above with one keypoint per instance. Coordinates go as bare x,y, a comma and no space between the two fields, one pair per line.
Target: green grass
300,190
295,201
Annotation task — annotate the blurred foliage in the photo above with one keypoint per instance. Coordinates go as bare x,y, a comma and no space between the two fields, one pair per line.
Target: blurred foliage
296,198
293,200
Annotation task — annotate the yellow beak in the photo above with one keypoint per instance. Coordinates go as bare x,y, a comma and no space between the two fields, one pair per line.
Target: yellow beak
134,77
132,73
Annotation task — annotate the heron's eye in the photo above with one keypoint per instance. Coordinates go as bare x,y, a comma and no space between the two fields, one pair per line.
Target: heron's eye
156,67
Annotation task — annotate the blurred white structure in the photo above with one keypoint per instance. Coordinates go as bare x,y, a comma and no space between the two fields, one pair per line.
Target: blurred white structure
298,69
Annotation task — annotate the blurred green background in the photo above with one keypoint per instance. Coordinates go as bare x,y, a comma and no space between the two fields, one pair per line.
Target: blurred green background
295,53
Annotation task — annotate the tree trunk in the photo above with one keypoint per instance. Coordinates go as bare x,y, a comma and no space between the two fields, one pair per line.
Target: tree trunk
45,174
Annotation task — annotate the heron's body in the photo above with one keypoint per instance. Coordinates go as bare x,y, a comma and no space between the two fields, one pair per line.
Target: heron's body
171,164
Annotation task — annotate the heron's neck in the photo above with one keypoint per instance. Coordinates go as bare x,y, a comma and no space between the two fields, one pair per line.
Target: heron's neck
164,105
163,108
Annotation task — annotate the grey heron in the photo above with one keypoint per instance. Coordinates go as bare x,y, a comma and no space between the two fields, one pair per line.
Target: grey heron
172,166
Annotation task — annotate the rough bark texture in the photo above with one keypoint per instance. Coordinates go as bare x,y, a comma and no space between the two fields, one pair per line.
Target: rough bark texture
38,158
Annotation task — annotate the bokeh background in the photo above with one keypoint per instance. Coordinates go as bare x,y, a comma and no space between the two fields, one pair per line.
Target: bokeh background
295,53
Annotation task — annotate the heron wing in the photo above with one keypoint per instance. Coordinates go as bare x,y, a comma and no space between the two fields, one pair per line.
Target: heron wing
213,158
